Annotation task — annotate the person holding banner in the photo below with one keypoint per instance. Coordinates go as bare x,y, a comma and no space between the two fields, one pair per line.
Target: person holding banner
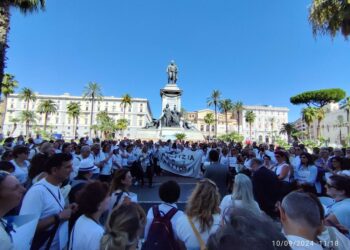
11,193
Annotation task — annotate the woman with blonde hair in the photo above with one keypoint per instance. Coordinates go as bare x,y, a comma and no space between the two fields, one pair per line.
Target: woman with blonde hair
242,196
202,216
124,227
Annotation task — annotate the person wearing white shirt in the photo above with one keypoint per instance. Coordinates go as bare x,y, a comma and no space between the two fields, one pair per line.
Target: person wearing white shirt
11,193
203,201
92,203
169,193
224,157
20,161
46,200
301,221
120,185
242,196
98,158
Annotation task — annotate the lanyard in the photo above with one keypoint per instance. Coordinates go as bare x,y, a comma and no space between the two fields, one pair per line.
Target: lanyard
54,196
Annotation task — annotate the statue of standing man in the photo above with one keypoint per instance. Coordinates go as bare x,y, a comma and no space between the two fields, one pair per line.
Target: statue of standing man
172,72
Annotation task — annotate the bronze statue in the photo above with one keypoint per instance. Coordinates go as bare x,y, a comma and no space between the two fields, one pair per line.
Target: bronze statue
172,72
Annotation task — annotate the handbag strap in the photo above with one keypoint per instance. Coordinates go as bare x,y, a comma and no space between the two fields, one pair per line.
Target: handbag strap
198,236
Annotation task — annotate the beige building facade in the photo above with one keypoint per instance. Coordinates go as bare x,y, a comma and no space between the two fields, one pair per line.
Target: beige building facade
138,114
265,128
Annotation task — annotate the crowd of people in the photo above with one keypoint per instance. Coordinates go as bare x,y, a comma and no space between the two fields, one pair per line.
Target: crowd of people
247,196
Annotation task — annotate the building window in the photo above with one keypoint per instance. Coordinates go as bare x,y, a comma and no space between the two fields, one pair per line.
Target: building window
141,107
213,128
140,123
129,108
57,120
202,127
208,127
86,108
86,121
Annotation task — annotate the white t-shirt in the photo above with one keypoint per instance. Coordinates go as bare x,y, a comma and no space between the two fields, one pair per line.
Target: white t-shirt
5,240
164,208
97,159
114,196
228,202
224,160
107,167
279,169
39,200
86,234
21,172
331,237
185,232
341,211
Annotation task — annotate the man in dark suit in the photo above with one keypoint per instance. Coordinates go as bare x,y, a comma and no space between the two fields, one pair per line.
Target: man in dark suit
217,172
266,187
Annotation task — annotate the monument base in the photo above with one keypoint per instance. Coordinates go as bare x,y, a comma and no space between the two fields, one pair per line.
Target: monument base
169,134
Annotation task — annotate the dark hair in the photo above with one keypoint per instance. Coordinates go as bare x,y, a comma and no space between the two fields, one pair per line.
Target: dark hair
7,166
283,154
56,160
310,160
268,157
338,159
91,196
37,165
65,145
169,191
341,182
19,149
6,154
214,155
246,229
119,175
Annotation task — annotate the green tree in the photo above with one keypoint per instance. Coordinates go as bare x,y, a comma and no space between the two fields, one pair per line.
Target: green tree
330,17
238,108
92,92
122,124
15,121
214,99
106,124
209,120
318,98
320,115
28,117
47,107
27,95
25,6
250,118
288,129
180,136
309,114
73,111
225,106
8,86
126,101
232,137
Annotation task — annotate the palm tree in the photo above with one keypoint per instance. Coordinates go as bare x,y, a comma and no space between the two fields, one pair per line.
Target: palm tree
47,107
92,92
320,115
250,118
309,115
126,100
214,100
122,124
28,117
209,120
25,6
238,108
225,107
288,128
27,95
330,16
8,87
14,121
73,111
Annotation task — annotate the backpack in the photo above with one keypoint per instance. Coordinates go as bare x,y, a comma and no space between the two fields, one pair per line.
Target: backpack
160,235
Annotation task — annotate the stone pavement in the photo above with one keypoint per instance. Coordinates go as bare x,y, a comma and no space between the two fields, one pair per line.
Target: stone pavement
147,197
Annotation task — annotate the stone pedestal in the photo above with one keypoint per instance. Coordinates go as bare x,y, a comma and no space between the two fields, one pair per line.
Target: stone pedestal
171,94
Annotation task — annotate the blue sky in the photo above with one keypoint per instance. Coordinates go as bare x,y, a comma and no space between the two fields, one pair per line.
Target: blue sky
258,52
